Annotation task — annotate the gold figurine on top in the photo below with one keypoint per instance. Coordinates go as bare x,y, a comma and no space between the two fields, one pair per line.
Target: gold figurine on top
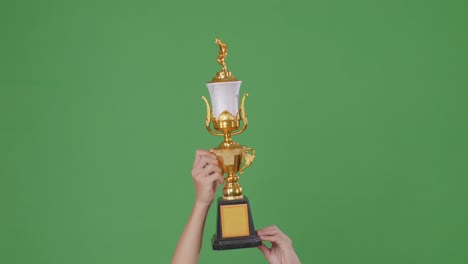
224,75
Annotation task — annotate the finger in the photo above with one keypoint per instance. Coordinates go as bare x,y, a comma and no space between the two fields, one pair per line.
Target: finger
272,239
264,250
220,179
208,175
199,154
214,183
208,159
270,227
270,230
268,233
214,178
202,163
280,239
211,169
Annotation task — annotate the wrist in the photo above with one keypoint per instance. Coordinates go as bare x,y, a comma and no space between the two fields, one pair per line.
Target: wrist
201,205
291,256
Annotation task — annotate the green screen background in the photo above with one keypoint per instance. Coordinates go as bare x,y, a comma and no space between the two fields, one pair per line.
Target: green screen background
357,109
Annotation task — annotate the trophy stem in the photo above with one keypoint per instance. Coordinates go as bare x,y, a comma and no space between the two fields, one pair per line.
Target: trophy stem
227,137
232,189
227,143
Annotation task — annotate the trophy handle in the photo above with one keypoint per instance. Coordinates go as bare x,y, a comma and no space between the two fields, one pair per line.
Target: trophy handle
208,119
248,159
243,116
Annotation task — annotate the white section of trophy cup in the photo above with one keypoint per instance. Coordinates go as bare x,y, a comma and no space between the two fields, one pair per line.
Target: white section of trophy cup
224,96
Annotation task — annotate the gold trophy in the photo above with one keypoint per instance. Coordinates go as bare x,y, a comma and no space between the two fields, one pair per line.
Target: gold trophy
235,228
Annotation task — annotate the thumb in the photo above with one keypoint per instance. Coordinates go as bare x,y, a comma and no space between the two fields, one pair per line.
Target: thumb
221,179
264,250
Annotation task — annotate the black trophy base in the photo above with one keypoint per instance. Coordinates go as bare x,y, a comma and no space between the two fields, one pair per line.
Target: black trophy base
236,243
235,228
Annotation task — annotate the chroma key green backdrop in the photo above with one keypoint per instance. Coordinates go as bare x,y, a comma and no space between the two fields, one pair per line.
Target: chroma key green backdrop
357,109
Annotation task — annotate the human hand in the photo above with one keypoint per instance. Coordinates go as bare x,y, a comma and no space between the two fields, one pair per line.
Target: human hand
206,175
281,251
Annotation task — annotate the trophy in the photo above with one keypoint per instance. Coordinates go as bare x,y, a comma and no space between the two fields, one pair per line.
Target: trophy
235,228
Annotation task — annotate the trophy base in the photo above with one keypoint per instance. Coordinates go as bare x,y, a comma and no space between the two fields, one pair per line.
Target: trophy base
235,228
248,242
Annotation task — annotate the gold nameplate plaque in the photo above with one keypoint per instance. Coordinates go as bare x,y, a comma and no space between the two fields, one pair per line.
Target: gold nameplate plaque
234,220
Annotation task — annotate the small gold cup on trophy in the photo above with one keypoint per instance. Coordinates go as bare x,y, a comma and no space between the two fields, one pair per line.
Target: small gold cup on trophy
235,228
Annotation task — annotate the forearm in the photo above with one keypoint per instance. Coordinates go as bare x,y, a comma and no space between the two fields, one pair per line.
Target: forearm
189,245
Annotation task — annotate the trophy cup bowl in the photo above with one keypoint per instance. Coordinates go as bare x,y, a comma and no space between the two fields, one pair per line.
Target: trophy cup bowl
235,228
230,161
